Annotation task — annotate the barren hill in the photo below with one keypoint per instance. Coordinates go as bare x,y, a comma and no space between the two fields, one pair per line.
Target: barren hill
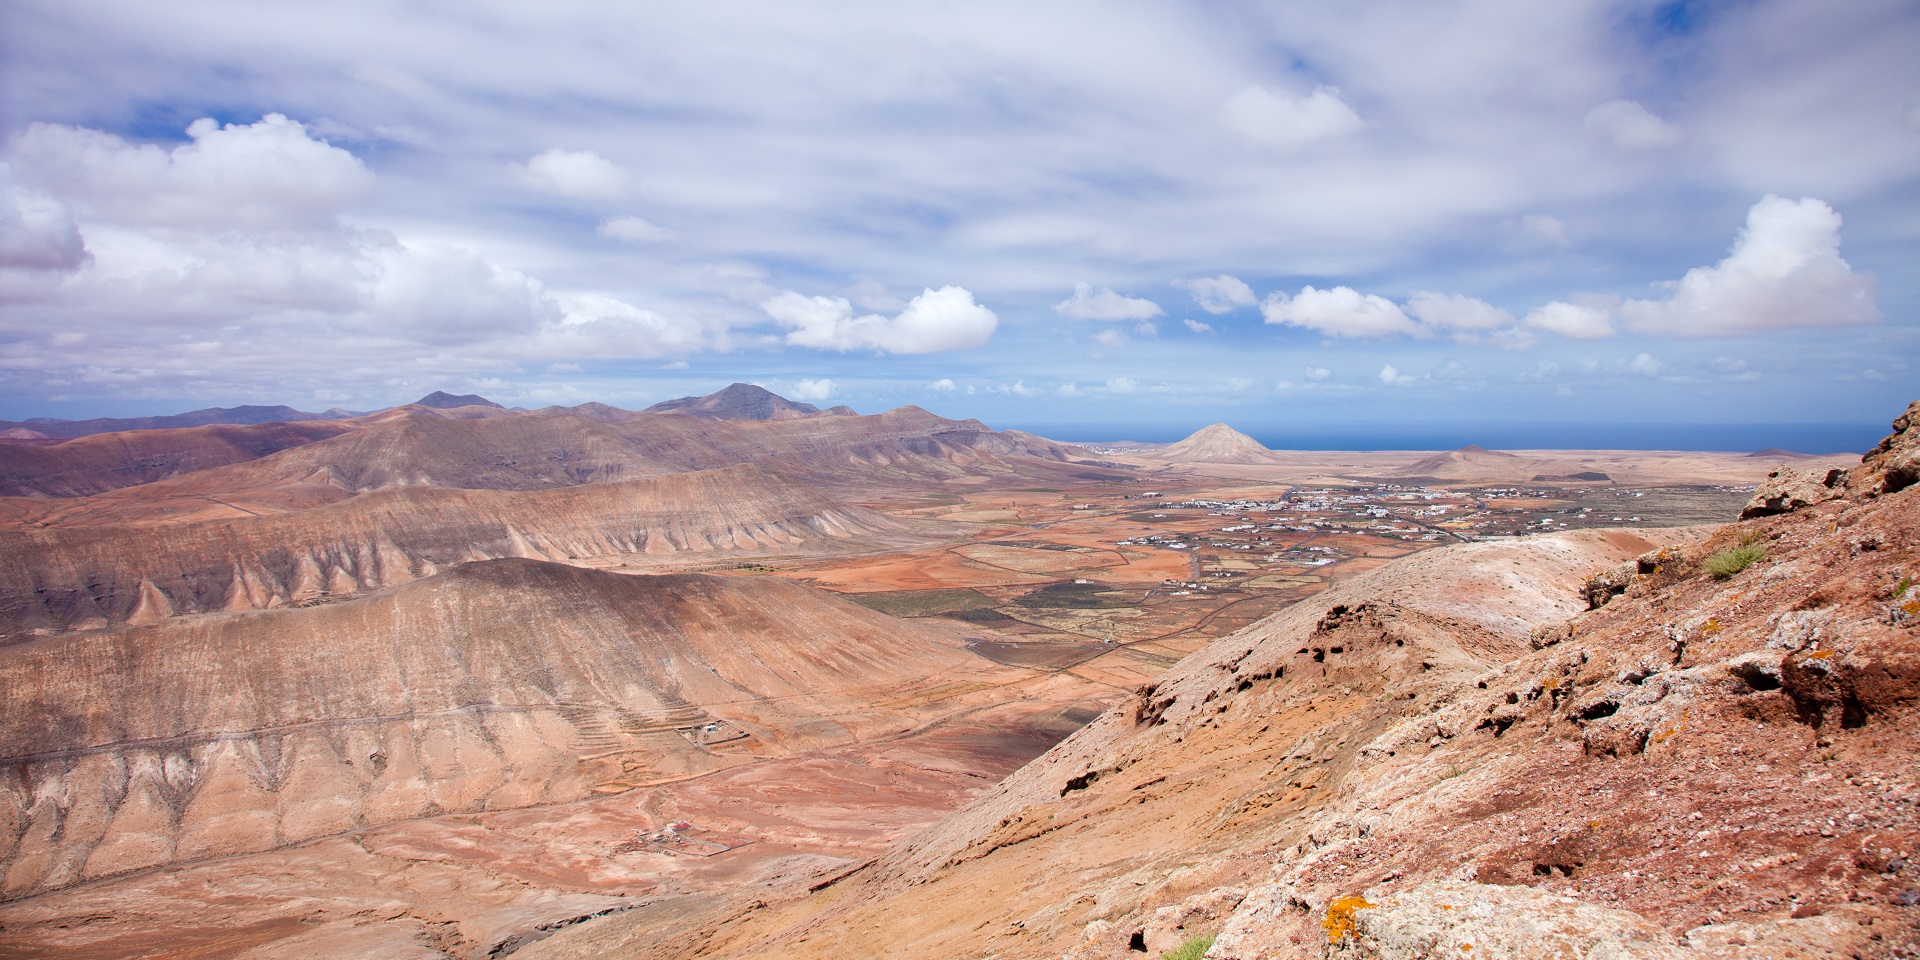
248,414
1217,443
740,401
58,579
1447,754
536,452
491,685
106,461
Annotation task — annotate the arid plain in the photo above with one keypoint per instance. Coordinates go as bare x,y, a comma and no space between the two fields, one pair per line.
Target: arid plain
450,680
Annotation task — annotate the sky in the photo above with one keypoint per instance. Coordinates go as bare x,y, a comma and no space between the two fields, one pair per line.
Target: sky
1127,216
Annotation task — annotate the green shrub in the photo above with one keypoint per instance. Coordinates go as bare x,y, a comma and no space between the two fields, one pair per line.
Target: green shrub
1193,949
1732,560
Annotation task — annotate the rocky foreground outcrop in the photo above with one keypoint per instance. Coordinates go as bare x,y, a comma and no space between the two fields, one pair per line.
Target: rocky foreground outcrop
1447,757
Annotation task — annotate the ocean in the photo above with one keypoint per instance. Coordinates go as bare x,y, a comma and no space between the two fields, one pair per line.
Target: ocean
1495,435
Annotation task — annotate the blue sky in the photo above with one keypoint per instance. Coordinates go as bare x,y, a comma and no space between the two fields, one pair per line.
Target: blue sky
1149,213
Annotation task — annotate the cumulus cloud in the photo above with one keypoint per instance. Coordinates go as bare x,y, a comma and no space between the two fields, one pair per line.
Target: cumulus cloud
1318,374
581,174
1285,119
1197,327
935,321
810,390
1392,377
1339,312
1591,319
942,385
1784,271
600,326
1111,339
1645,365
1221,294
1629,126
1122,385
1087,304
235,244
264,176
635,230
1450,313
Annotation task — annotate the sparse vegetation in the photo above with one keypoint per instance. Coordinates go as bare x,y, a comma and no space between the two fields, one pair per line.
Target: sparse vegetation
1194,949
1900,590
1732,560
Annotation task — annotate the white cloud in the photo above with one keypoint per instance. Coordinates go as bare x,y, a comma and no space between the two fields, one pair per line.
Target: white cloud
933,322
1318,374
1070,390
1086,304
1122,385
1588,320
1339,312
1221,294
1285,119
636,230
598,326
1145,329
1628,125
942,385
1454,313
1392,377
1784,271
582,174
1645,365
1873,375
1111,339
1198,327
676,365
810,390
264,176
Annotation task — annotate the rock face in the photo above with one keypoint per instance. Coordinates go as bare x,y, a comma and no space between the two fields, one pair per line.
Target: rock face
1786,490
1894,465
1705,766
493,685
1217,443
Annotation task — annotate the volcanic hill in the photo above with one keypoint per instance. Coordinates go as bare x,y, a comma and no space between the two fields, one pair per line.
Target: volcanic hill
1659,744
90,576
743,401
491,685
1216,443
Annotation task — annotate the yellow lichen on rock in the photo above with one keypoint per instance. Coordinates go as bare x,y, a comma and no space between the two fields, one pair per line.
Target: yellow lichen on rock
1340,921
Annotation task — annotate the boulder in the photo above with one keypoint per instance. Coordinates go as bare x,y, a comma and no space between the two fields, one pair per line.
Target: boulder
1786,490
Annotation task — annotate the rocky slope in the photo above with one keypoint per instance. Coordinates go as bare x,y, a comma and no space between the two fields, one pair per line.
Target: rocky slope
493,685
1448,757
88,577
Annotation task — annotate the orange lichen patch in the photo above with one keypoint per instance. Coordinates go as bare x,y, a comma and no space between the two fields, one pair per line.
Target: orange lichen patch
1911,608
1820,655
1339,923
1711,627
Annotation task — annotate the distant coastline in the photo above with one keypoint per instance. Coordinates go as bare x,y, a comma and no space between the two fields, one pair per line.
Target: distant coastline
1814,438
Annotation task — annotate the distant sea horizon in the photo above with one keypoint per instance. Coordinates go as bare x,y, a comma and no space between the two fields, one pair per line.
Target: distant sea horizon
1814,438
